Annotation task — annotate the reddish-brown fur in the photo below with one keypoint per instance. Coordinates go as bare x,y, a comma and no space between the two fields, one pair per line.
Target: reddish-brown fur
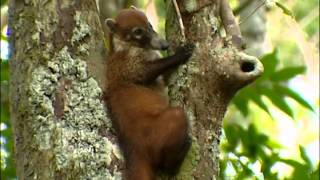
152,135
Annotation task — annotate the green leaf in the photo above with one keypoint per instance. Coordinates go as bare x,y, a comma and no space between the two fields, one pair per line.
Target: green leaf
285,9
3,2
304,156
243,135
315,174
294,95
252,131
269,62
300,171
4,70
4,38
232,136
242,98
273,144
256,98
246,171
262,138
241,102
287,73
292,163
278,101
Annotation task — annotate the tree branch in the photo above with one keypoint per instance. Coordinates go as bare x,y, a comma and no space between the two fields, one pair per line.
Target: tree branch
179,19
230,24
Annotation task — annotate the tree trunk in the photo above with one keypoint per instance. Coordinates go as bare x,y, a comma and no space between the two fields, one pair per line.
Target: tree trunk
58,117
205,85
60,126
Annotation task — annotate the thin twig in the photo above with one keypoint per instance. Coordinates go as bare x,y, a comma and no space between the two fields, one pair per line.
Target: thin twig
242,6
180,19
255,10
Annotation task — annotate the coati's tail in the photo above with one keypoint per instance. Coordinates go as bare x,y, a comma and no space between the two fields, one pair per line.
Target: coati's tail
139,169
177,141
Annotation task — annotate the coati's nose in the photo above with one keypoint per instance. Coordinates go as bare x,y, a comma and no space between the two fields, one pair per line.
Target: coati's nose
164,45
157,43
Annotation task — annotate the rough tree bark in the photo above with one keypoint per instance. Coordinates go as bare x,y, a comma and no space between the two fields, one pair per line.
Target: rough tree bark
60,126
205,85
58,117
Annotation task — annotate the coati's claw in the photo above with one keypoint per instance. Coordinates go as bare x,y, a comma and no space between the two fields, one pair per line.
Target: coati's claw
186,50
186,47
189,46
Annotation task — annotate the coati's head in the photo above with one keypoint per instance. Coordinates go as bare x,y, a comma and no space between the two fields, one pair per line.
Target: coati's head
133,27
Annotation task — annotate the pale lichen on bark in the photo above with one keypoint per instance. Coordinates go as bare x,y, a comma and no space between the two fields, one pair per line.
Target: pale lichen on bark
75,137
59,119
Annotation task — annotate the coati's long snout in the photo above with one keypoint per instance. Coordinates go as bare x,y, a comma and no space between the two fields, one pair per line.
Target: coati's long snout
158,43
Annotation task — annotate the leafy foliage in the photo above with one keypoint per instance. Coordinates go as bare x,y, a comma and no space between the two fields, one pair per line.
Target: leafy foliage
245,148
3,2
272,84
7,166
254,146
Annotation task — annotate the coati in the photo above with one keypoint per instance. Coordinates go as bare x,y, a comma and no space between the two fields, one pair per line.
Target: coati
152,135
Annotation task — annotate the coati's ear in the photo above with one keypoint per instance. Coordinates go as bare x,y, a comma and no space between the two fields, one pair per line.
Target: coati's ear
111,24
133,7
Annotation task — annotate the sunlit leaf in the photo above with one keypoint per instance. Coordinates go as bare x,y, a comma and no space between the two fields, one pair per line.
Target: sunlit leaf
278,101
267,162
262,138
246,172
256,98
272,144
4,70
315,174
287,73
241,103
249,141
223,166
269,62
294,95
292,162
301,171
232,135
252,131
3,2
4,38
304,156
244,96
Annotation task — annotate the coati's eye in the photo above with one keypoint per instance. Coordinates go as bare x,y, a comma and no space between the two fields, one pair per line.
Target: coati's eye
137,32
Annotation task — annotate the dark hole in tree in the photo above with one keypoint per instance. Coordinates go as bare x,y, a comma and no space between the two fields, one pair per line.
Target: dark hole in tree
247,66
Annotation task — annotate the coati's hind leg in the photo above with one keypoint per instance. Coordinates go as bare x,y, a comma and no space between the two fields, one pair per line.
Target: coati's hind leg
174,156
138,168
177,141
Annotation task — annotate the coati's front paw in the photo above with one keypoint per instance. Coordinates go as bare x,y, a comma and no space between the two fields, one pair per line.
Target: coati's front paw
185,51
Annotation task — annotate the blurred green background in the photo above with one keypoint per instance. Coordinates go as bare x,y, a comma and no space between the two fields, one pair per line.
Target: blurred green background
271,129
